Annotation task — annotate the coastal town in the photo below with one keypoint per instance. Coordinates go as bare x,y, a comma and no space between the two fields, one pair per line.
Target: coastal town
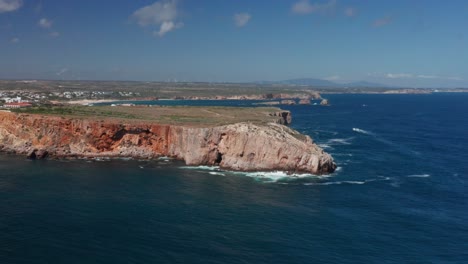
19,99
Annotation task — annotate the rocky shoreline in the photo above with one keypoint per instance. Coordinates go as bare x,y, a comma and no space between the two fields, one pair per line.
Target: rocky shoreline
240,146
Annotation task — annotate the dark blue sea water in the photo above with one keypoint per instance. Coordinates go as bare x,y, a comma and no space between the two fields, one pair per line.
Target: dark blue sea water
400,195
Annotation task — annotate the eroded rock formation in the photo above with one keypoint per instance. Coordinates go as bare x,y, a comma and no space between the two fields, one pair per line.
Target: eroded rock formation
309,95
324,102
288,102
241,146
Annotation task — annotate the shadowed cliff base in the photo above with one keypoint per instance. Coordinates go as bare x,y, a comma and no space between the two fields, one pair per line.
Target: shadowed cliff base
243,139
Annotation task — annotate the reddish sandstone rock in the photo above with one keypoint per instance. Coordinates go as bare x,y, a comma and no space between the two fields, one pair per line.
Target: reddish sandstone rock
241,146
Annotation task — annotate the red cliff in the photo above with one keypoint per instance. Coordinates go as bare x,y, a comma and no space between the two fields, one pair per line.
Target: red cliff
241,146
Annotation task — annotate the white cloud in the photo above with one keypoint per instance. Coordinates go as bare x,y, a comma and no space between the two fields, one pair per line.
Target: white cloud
452,78
10,5
241,19
382,21
420,76
162,13
350,11
398,75
428,76
45,23
304,7
167,26
14,40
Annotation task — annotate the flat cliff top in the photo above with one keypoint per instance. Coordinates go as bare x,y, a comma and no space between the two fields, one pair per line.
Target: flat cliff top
197,116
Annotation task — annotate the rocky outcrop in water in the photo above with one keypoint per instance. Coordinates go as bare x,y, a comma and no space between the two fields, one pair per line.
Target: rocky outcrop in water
241,146
324,102
288,102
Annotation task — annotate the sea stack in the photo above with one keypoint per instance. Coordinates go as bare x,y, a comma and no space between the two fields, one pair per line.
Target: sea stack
324,102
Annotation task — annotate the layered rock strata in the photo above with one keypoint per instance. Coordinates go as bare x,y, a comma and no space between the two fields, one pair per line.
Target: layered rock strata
240,146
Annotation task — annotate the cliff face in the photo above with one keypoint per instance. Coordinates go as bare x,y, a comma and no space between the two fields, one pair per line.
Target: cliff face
309,95
240,146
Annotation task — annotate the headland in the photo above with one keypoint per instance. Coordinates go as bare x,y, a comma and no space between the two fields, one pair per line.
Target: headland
235,138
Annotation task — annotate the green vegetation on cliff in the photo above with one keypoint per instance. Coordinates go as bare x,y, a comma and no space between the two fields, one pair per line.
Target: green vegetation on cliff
178,115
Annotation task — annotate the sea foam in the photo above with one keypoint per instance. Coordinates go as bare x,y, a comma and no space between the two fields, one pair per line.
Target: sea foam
348,182
263,176
275,176
217,173
202,167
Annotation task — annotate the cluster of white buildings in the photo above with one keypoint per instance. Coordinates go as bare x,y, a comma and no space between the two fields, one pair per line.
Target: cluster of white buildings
15,102
90,94
21,96
12,100
17,99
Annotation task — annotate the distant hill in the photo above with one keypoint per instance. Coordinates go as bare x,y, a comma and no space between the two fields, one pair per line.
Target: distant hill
364,84
309,82
323,83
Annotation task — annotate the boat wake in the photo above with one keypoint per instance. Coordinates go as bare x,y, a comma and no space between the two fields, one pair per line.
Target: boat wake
400,147
419,176
362,131
335,142
339,141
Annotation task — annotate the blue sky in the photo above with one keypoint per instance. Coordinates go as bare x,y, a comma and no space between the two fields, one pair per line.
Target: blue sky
407,43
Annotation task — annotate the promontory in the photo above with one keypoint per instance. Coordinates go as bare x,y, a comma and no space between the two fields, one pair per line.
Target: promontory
235,138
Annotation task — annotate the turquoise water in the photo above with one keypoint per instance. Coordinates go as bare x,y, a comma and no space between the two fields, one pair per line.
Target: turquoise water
399,196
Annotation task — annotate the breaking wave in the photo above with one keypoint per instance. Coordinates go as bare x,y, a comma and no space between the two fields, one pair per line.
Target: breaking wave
262,176
217,173
280,176
164,158
202,167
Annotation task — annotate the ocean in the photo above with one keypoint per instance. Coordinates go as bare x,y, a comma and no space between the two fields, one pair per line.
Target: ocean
399,195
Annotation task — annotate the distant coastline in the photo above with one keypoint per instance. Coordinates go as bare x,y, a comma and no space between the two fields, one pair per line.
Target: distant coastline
43,92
